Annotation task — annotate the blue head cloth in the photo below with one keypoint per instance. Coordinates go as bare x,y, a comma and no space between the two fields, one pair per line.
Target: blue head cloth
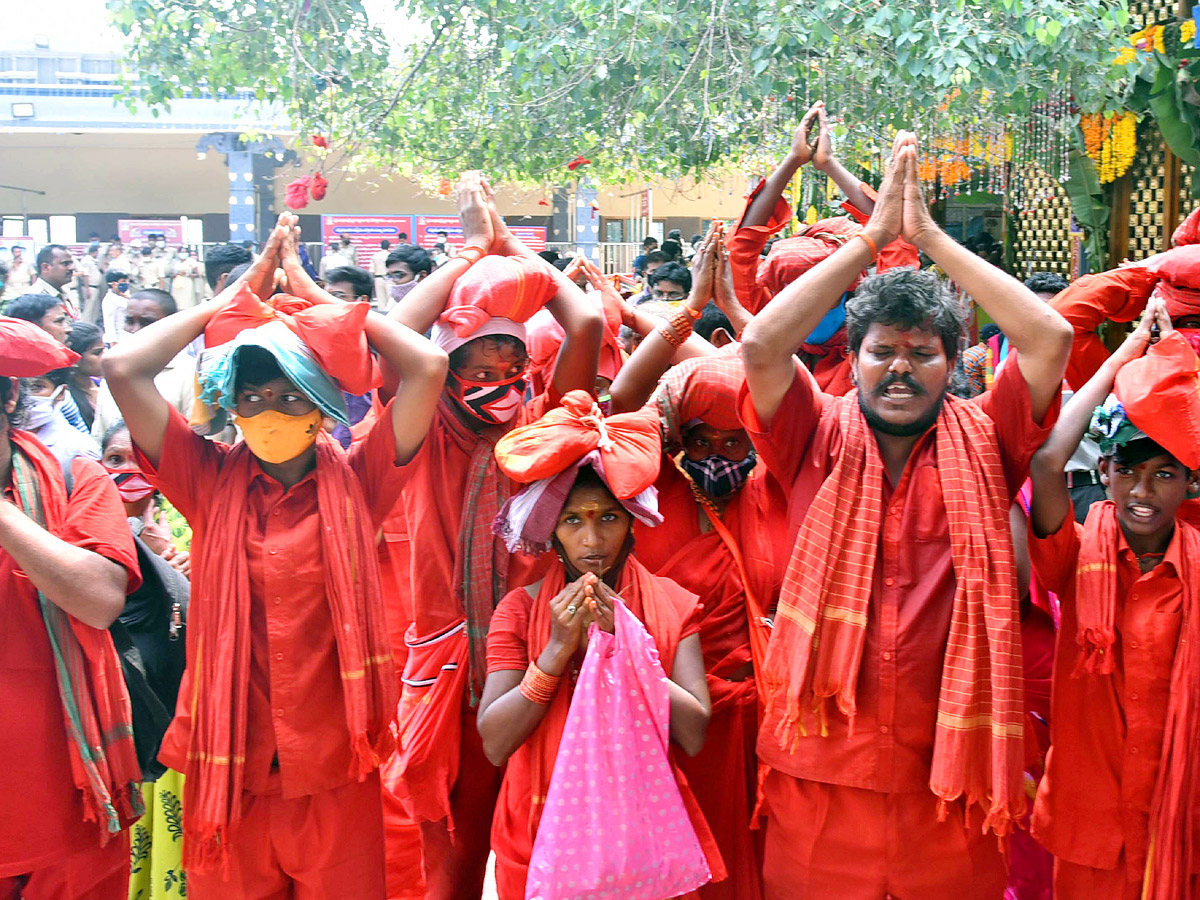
216,369
828,326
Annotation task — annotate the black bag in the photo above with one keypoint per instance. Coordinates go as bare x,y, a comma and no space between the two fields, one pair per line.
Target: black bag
149,637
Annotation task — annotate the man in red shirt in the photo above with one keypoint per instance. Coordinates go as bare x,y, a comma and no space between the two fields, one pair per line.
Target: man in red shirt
285,708
893,736
451,496
1117,804
64,806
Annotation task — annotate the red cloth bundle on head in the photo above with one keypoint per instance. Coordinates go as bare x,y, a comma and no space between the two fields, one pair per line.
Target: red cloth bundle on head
496,287
704,388
624,450
792,257
334,332
1161,395
545,339
1188,231
26,350
1179,284
629,445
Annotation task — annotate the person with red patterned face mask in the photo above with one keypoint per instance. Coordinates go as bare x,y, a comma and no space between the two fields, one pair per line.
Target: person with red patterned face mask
476,304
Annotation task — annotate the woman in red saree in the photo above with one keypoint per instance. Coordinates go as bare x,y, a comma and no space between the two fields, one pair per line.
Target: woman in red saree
589,478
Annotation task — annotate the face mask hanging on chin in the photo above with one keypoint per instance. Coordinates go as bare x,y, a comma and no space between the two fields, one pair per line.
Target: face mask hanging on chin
491,402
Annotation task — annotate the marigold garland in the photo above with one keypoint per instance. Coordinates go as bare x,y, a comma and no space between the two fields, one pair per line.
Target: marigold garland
1117,135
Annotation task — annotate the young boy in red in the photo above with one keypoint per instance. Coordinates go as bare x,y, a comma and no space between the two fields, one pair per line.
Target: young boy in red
1116,806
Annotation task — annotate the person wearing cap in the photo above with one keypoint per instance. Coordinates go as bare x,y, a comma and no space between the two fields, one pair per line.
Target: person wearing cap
285,708
69,783
587,480
476,303
1118,803
767,212
724,538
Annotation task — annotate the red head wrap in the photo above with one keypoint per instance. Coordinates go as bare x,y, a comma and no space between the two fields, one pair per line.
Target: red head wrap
1188,231
1161,395
704,388
1179,271
26,350
792,257
505,287
629,445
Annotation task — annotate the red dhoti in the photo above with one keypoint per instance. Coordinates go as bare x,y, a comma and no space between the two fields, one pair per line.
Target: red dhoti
826,841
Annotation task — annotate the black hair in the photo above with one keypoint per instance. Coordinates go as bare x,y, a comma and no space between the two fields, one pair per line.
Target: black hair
1046,283
696,237
164,300
403,236
648,240
675,234
550,256
656,256
458,356
46,254
360,279
989,331
384,244
32,307
1136,452
905,298
223,259
711,318
237,272
561,263
83,335
111,432
6,394
671,271
112,276
673,249
417,259
254,366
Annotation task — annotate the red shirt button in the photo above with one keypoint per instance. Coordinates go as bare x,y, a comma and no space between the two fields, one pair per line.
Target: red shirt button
887,654
889,581
883,729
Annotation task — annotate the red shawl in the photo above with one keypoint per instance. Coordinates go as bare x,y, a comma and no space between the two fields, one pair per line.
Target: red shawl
1175,805
820,628
219,645
664,608
96,711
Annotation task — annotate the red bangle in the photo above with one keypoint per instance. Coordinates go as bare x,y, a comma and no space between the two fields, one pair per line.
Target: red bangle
870,245
537,686
471,260
694,313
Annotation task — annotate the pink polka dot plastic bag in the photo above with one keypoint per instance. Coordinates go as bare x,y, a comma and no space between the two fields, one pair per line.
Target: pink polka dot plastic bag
614,826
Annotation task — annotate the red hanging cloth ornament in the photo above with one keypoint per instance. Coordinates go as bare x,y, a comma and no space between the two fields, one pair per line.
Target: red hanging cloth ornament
320,141
319,185
296,194
445,188
577,162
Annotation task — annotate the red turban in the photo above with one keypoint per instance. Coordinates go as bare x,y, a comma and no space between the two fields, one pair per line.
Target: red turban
704,388
333,332
1188,231
545,338
1179,271
629,445
26,350
1161,395
504,287
792,257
